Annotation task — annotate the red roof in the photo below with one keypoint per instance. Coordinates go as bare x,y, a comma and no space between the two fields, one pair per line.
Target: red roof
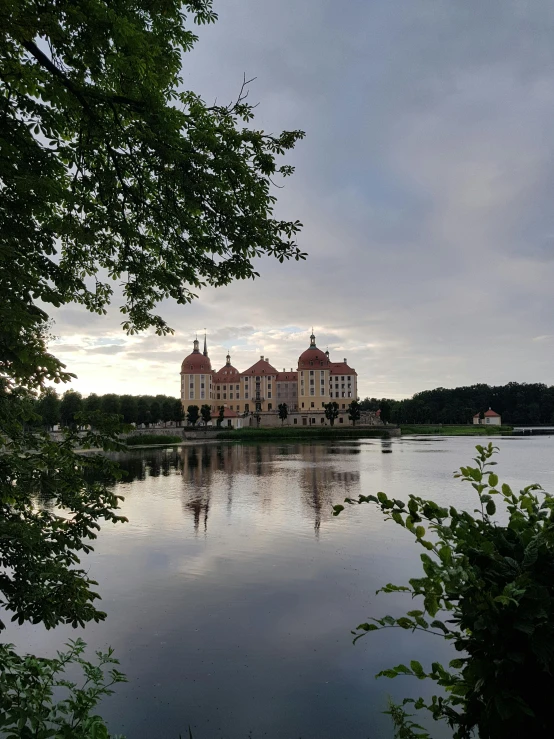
228,413
341,368
315,355
195,364
228,373
287,376
488,414
262,367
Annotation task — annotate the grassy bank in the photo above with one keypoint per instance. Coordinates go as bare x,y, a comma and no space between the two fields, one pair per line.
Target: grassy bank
152,439
443,430
303,432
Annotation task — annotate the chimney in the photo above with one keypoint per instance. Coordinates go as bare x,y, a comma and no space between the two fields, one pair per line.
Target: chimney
344,360
262,357
266,359
284,370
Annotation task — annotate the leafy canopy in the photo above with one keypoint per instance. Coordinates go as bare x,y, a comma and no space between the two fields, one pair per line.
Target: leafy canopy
112,171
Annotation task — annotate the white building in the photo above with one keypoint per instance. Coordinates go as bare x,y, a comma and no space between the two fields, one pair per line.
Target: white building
491,418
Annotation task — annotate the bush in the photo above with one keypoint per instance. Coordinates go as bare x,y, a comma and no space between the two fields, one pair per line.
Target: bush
145,439
27,685
495,584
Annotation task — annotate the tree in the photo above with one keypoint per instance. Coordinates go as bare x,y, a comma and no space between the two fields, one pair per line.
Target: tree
128,407
386,409
110,403
92,403
122,173
331,412
143,413
283,412
192,414
220,416
492,578
167,410
354,411
108,168
155,412
178,412
49,407
71,405
206,413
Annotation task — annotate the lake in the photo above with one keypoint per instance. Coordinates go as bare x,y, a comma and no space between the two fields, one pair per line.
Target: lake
232,590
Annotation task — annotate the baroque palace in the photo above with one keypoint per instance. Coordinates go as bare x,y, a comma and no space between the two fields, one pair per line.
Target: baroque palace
255,394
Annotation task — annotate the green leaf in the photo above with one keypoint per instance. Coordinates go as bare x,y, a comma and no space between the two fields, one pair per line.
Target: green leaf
491,508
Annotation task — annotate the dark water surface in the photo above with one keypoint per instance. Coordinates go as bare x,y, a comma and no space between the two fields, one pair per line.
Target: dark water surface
232,590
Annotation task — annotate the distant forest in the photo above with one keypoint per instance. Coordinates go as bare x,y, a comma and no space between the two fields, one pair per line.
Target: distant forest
517,403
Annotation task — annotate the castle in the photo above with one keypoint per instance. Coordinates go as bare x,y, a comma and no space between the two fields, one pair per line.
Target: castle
252,397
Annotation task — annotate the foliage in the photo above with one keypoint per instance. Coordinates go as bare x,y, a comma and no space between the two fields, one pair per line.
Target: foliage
283,412
220,415
151,439
28,685
494,582
48,407
110,165
193,414
70,407
517,403
354,411
206,413
304,432
331,412
40,548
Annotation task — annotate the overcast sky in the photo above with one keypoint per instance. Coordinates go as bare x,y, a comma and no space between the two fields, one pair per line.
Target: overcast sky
425,185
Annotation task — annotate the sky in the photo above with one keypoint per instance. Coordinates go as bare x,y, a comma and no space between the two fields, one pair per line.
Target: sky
425,185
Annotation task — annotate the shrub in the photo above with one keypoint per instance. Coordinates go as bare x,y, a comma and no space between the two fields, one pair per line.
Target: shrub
495,584
27,686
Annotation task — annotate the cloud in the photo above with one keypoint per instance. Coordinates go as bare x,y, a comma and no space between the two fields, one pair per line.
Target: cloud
425,186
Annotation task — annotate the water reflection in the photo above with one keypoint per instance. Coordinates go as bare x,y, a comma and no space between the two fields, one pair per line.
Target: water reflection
200,466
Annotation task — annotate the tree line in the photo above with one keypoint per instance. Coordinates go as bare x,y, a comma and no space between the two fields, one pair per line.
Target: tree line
53,409
517,403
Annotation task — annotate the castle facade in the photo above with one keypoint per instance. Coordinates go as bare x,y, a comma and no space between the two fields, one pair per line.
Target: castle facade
261,388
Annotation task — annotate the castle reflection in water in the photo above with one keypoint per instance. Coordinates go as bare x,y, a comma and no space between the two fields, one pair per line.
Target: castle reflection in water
204,467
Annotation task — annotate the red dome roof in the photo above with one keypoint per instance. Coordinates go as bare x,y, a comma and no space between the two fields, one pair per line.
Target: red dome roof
315,355
196,363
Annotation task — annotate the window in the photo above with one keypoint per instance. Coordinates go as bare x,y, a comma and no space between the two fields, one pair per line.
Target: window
322,419
269,406
202,378
202,395
201,386
224,396
230,396
219,396
331,394
237,388
246,407
302,405
313,420
343,405
312,391
312,381
312,404
295,420
311,365
257,379
191,385
225,387
321,364
269,393
311,373
231,407
246,394
341,419
229,423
